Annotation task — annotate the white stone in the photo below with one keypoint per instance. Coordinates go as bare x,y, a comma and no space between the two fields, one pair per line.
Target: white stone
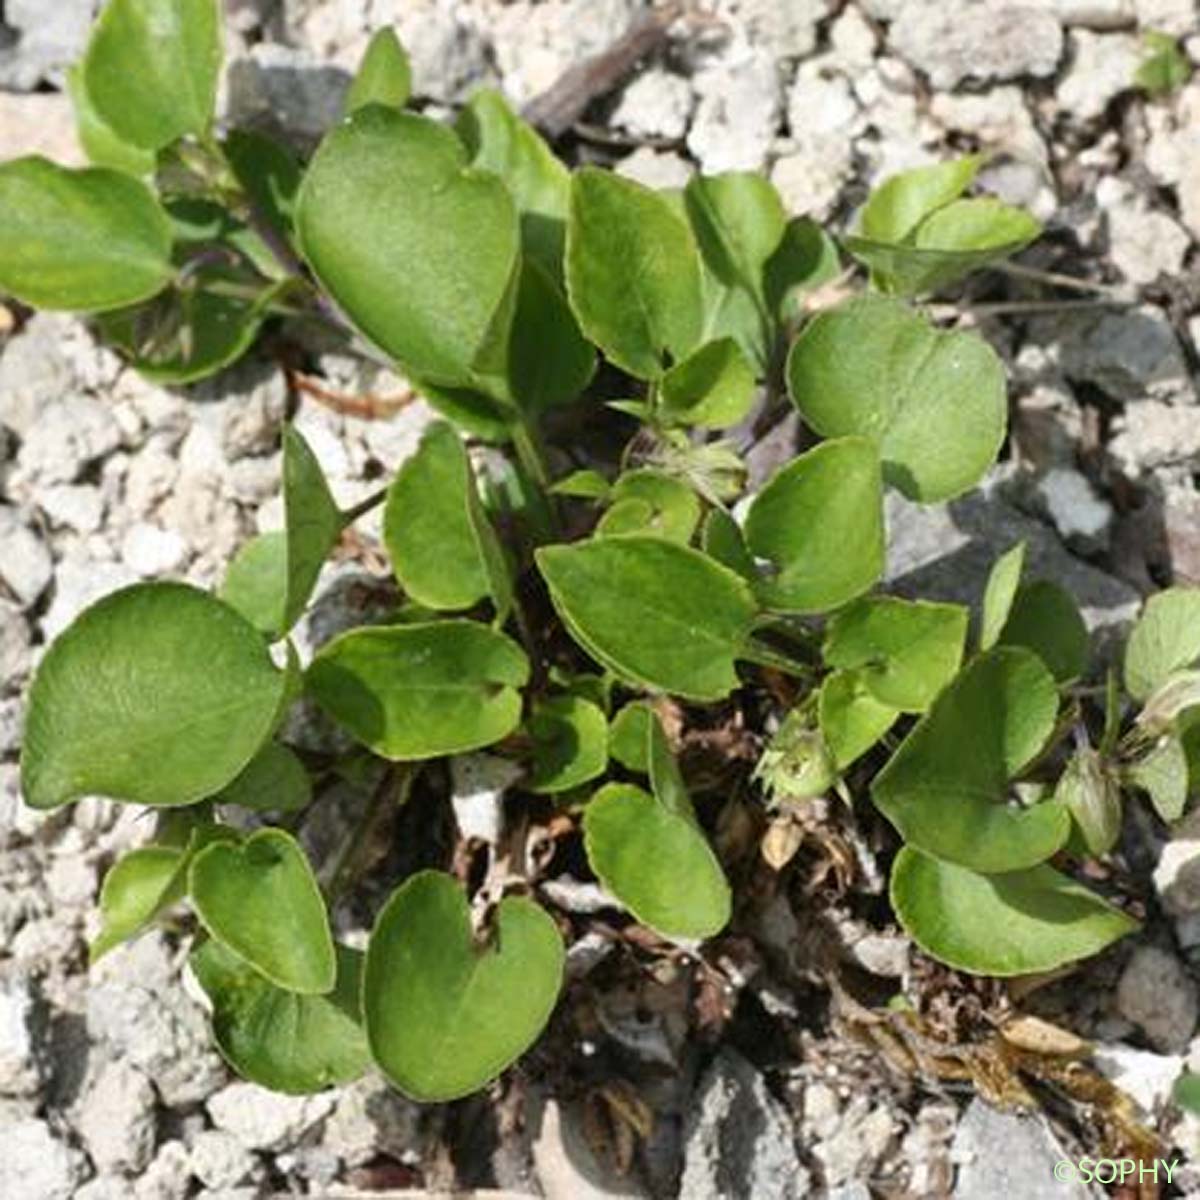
151,475
77,506
480,781
372,1118
36,1164
736,115
999,118
51,37
657,104
862,1136
1073,505
852,41
15,653
21,1018
116,1118
168,1177
219,1160
265,1120
1177,876
954,42
1176,17
785,29
39,123
25,566
79,582
655,168
152,551
448,51
1157,994
71,880
34,371
65,437
1144,243
1102,67
1151,434
1147,1077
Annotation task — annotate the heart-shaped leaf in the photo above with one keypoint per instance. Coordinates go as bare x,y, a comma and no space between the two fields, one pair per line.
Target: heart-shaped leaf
905,651
420,250
570,743
1165,639
633,273
274,781
1018,923
1003,581
423,690
261,900
435,532
852,719
158,693
86,241
279,1039
658,863
946,788
1045,619
819,522
152,67
384,76
500,142
137,886
658,613
934,402
445,1015
712,388
649,501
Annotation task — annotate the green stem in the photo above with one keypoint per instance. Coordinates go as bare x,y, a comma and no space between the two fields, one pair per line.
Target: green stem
391,793
765,656
531,455
374,500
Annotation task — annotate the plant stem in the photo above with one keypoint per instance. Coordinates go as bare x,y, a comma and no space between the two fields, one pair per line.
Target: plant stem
374,500
1057,279
765,656
391,792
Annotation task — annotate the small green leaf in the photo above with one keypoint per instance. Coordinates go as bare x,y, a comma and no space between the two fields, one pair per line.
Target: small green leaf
384,75
629,736
422,690
1163,775
279,1039
445,1015
152,67
570,743
102,146
1093,799
712,388
852,720
420,250
254,581
721,539
274,781
903,201
1001,591
434,528
268,173
905,651
500,142
136,887
1164,67
934,402
1045,619
584,484
819,521
260,899
666,780
1165,639
649,501
1019,923
658,613
806,259
656,862
158,694
633,273
946,788
1186,1092
87,241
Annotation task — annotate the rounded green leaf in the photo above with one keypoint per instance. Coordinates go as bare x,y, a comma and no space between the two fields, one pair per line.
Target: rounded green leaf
981,224
819,522
260,899
934,402
254,581
805,259
947,788
1163,775
852,720
721,538
279,1039
136,887
898,205
1003,581
312,523
420,250
658,863
633,273
102,146
445,1015
629,736
152,67
423,690
87,240
1019,923
570,743
1165,639
158,694
274,781
649,501
658,613
384,75
712,388
904,651
1045,619
431,537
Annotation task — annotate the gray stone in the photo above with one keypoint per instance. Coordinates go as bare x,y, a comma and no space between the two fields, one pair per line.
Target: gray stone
1177,876
49,38
736,115
954,42
861,1137
566,1165
265,1120
36,1164
740,1141
293,90
25,566
15,654
1072,504
22,1026
1147,1077
219,1160
657,104
372,1118
1151,434
1003,1154
116,1119
1102,67
12,723
1158,995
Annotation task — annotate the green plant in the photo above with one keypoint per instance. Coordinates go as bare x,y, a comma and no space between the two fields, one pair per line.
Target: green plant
1164,67
496,279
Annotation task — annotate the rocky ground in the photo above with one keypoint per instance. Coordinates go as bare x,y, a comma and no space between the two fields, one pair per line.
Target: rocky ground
108,1087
